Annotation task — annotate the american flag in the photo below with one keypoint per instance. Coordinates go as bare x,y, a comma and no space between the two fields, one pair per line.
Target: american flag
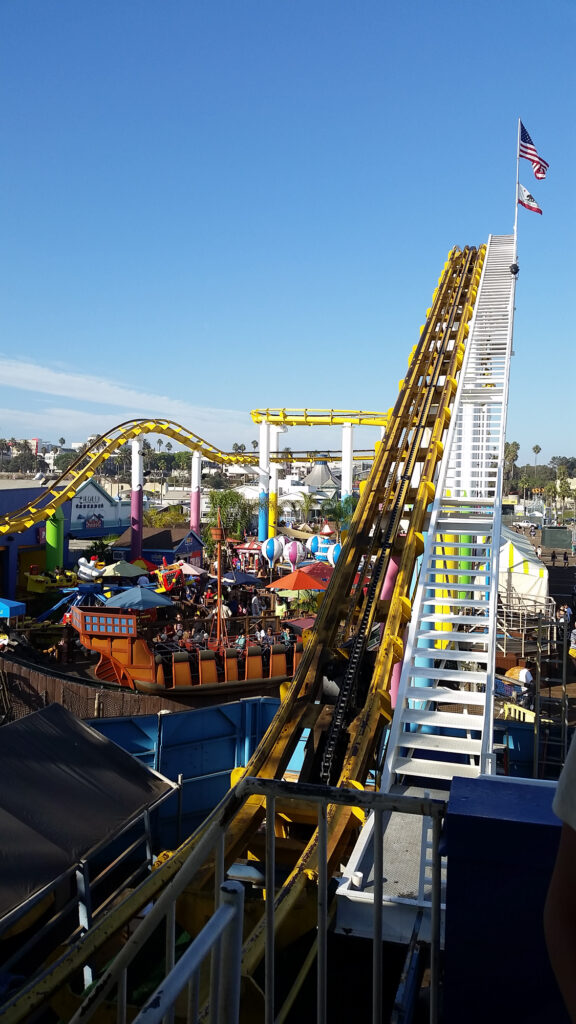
529,152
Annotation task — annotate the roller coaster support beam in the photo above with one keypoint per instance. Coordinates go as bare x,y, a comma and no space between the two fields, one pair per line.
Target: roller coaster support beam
347,459
55,540
196,492
274,467
263,481
136,499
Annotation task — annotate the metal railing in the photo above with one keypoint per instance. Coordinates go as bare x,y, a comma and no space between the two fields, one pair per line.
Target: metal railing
221,938
206,1001
518,621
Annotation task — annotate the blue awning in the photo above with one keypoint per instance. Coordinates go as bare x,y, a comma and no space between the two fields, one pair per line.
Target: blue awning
10,609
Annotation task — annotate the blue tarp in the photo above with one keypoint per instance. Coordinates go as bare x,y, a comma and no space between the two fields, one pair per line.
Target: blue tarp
10,609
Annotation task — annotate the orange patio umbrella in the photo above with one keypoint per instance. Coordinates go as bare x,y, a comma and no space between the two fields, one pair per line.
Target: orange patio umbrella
298,580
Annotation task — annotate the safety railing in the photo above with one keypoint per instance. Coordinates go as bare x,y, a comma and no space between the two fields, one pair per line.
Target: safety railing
221,939
518,621
209,1000
79,896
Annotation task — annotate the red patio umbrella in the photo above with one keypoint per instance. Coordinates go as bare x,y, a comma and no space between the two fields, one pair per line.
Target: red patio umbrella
298,580
319,570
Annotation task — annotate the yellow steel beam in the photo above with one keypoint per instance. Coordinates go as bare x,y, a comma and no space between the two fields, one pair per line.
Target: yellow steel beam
319,417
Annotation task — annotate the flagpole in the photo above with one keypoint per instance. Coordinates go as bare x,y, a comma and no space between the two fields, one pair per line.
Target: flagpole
517,190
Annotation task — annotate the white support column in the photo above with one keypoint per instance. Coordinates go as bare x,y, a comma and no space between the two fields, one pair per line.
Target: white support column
136,499
196,492
273,498
347,459
263,480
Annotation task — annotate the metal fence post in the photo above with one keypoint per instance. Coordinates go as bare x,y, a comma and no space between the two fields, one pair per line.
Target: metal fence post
232,895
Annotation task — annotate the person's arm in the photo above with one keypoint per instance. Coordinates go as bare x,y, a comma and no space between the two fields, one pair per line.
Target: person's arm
560,919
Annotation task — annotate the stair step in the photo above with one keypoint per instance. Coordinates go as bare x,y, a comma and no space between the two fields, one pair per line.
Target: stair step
473,587
449,570
465,502
434,741
451,654
434,769
454,602
457,675
440,540
443,719
457,602
445,695
454,636
474,527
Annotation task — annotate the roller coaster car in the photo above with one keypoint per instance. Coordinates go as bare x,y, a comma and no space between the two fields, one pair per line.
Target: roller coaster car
41,583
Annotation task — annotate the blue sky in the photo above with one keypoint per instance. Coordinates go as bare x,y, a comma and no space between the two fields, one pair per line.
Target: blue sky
209,207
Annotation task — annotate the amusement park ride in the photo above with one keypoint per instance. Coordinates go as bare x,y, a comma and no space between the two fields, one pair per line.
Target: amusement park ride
419,564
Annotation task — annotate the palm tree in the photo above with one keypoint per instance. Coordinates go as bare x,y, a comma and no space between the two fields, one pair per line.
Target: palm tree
287,460
168,447
61,441
339,512
254,444
159,444
4,449
304,505
524,483
536,449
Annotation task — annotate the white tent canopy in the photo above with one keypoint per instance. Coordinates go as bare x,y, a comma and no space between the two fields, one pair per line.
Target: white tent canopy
521,572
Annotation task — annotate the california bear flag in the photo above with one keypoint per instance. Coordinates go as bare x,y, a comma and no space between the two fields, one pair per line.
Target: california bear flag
526,200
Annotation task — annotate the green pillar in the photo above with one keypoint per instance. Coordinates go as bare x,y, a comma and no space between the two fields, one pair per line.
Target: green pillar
55,540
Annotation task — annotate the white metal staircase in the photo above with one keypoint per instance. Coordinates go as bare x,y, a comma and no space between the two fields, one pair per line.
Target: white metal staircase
442,724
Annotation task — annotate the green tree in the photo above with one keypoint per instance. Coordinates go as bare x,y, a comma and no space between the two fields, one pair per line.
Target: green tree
236,513
216,481
565,492
61,441
511,450
536,449
524,484
339,511
304,505
183,462
159,443
63,460
254,445
173,516
4,449
101,548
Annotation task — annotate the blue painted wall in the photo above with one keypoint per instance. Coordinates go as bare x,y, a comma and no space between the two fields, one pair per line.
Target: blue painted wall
30,540
203,745
502,837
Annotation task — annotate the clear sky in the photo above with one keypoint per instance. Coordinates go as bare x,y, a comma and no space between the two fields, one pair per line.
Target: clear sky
209,207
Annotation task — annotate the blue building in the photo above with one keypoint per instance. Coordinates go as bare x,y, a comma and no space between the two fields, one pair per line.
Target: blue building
18,551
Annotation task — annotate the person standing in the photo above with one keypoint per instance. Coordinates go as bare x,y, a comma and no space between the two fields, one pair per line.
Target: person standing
539,551
565,559
553,558
255,605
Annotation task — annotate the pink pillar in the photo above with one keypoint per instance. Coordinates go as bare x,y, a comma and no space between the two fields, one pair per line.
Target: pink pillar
390,578
136,501
195,492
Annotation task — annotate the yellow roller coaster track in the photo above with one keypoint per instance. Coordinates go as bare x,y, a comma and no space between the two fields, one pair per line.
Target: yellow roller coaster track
320,417
389,519
85,466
